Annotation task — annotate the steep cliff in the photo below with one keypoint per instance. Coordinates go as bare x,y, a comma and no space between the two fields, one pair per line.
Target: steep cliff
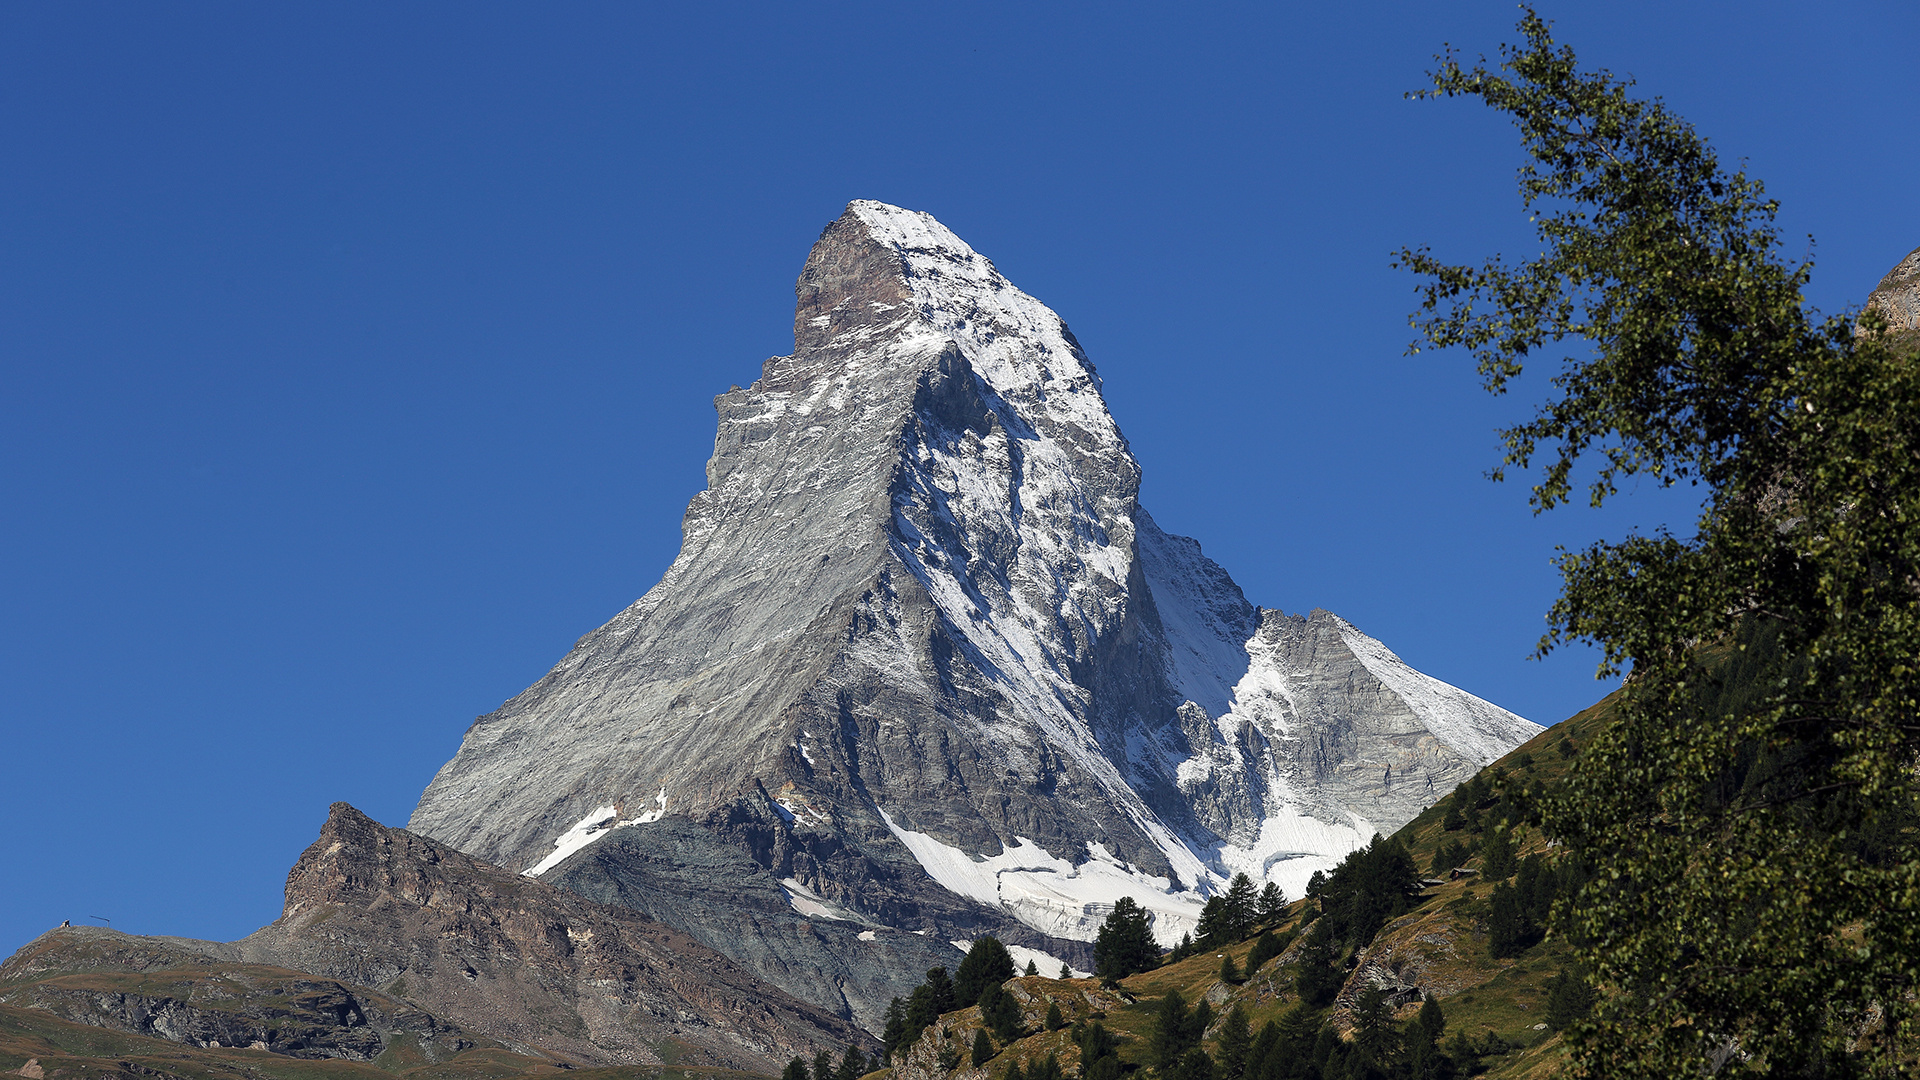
927,663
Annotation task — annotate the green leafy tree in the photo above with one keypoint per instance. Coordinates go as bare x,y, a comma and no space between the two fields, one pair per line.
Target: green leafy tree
1125,944
982,1047
1753,802
987,961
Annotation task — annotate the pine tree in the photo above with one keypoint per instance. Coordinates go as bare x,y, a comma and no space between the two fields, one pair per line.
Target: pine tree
1054,1020
1198,1021
1169,1038
1048,1068
1000,1011
1229,972
1236,1041
853,1064
982,1048
1242,907
796,1070
1014,1072
893,1036
940,996
1273,904
1213,925
822,1065
1032,968
920,1012
1065,971
987,961
1265,948
1125,942
1193,1065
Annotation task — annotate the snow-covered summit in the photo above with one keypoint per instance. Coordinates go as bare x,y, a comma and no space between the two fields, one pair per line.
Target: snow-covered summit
924,656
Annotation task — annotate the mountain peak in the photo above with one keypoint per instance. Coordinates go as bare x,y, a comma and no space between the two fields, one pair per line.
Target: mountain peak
925,660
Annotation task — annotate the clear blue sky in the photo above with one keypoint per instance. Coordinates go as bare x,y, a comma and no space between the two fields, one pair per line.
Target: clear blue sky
357,358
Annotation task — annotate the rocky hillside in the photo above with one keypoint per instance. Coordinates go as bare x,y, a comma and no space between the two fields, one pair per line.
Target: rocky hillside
395,948
925,667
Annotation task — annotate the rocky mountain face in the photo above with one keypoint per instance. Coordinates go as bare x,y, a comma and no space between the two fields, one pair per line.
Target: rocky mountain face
1897,299
924,668
393,946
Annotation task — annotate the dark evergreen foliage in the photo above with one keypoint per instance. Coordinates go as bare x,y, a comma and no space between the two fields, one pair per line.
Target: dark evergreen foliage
1171,1024
1265,947
894,1036
1236,1042
823,1065
853,1064
1193,1065
1125,943
1229,971
982,1048
1370,886
999,1011
1319,981
795,1070
1054,1020
1569,998
987,961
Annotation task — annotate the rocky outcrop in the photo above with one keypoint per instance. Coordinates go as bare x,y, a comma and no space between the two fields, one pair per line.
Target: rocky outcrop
1897,299
463,955
927,663
524,962
242,1005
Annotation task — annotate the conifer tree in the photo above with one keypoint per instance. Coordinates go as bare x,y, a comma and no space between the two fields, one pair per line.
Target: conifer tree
822,1065
1229,972
1273,904
1032,968
893,1035
982,1048
1124,945
1169,1038
852,1064
987,961
1236,1041
795,1070
1054,1020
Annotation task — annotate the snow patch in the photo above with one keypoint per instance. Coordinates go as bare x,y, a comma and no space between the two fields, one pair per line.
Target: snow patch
601,821
1049,893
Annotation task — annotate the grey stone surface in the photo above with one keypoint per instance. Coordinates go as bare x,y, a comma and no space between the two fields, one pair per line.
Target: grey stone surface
919,603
